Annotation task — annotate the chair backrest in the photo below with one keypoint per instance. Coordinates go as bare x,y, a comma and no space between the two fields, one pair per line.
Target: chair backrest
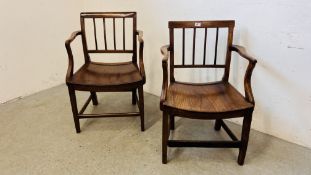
108,32
203,26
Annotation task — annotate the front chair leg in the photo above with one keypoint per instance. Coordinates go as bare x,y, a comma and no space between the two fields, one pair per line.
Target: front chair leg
141,107
94,98
165,131
74,108
134,97
244,138
172,122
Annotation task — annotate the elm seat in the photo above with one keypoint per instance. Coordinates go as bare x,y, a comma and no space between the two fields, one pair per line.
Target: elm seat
210,98
107,74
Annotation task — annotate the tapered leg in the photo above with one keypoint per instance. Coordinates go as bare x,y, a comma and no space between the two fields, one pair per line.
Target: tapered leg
141,107
94,98
244,138
74,108
172,122
134,97
217,124
165,131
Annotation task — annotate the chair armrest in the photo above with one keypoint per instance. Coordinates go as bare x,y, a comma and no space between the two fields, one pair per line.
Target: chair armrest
70,55
165,52
242,51
140,33
141,54
248,74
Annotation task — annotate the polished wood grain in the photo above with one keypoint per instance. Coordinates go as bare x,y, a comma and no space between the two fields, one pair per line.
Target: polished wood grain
205,101
106,77
208,98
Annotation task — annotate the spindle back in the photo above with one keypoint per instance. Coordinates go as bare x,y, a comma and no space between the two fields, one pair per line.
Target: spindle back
105,32
204,26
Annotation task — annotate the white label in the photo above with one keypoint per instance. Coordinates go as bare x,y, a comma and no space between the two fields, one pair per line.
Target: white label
197,24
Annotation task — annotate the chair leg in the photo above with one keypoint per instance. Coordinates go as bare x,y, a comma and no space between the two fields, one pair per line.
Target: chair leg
172,122
141,107
74,108
244,138
94,98
165,131
134,97
217,124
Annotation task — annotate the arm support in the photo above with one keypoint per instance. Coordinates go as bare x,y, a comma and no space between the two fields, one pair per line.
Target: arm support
141,54
248,74
69,52
165,53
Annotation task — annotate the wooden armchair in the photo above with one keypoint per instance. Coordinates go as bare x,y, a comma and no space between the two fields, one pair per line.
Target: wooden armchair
209,101
106,77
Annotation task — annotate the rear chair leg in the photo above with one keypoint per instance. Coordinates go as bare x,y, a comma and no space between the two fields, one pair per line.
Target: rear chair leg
172,122
141,107
165,131
94,98
74,108
217,124
244,138
134,97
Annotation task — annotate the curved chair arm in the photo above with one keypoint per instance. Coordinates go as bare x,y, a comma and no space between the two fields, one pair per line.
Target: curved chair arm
165,52
69,52
248,74
141,54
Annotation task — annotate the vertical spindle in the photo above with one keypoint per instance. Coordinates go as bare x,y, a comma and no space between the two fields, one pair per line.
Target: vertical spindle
193,51
114,33
216,45
123,33
94,25
204,53
183,46
105,36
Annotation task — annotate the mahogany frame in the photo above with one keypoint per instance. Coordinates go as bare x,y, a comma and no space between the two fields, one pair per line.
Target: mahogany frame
170,112
131,87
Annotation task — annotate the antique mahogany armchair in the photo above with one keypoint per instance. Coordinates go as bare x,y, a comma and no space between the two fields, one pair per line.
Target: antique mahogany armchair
107,77
210,101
